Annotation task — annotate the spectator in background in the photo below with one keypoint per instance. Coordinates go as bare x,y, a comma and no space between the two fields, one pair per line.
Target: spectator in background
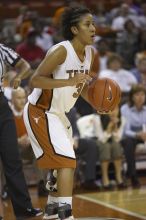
135,5
57,16
119,21
116,11
17,105
29,21
103,49
43,39
100,15
128,40
140,71
85,148
57,36
142,17
123,77
135,129
21,17
123,14
109,129
29,50
59,11
32,53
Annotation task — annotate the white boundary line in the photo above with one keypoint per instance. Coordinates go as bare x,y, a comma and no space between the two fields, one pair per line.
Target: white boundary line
111,206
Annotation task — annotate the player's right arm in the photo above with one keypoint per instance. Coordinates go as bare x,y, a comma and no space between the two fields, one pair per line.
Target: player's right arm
42,76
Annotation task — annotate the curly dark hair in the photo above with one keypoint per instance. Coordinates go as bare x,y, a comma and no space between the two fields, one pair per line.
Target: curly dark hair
71,17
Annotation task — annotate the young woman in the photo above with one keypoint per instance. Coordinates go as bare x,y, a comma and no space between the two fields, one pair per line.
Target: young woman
134,133
110,130
58,81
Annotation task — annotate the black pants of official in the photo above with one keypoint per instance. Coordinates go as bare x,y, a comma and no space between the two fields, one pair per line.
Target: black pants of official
129,145
11,160
88,151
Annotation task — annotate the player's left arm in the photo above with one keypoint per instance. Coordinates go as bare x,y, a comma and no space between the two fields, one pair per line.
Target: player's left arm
93,74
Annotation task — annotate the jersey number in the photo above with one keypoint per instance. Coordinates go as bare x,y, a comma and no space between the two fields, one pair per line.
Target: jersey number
79,89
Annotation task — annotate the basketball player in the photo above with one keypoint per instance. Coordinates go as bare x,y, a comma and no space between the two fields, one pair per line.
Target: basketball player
58,81
8,140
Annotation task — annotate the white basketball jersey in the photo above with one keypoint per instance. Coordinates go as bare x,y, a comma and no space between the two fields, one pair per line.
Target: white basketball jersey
63,99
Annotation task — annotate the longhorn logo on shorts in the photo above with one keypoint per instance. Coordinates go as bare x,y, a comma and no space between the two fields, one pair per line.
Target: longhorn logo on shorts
36,119
110,94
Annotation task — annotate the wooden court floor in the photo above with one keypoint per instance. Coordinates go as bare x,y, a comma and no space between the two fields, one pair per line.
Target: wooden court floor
128,204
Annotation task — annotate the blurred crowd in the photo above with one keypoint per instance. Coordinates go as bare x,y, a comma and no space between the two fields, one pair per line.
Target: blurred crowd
120,49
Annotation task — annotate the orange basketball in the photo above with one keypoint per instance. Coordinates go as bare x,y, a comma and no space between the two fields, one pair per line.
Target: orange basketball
104,94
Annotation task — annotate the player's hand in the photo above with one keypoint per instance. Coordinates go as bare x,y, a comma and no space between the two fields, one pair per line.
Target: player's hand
15,83
79,78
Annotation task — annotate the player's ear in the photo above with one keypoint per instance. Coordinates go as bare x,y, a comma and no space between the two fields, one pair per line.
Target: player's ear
74,30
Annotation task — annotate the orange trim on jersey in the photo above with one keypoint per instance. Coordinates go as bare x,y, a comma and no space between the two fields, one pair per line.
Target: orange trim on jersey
45,99
39,126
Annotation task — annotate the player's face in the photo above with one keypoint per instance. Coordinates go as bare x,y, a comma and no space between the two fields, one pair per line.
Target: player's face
86,29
